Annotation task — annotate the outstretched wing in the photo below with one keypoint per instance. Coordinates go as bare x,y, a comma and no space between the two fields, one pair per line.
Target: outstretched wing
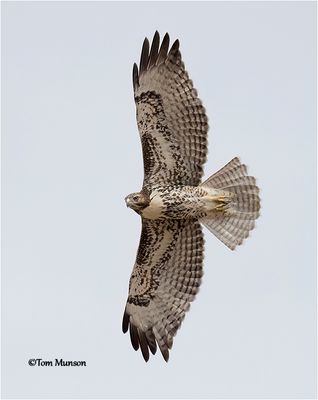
165,279
171,119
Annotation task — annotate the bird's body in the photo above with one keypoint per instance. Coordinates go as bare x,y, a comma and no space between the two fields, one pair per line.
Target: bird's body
173,202
182,202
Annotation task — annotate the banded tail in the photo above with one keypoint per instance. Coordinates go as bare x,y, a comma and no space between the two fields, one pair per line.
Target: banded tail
233,223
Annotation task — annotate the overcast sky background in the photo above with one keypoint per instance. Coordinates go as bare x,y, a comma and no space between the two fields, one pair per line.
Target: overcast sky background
71,153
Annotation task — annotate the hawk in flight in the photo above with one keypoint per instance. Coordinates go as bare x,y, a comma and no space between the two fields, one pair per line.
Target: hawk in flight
173,202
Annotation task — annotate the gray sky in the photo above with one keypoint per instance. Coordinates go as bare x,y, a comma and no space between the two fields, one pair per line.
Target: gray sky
71,153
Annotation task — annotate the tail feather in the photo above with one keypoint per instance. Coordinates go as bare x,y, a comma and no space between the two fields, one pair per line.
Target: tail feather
227,175
235,162
238,188
233,224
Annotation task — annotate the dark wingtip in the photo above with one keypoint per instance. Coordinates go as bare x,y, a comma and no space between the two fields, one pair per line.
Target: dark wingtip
135,76
144,56
156,37
125,323
153,55
164,48
175,46
165,355
153,347
166,37
143,345
134,336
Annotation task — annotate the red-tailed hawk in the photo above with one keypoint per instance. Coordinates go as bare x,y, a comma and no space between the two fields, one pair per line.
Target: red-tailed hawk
173,202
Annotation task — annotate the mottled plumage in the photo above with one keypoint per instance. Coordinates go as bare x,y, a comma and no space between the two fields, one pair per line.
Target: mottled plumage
173,202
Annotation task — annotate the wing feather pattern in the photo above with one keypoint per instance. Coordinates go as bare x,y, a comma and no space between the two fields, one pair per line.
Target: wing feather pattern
165,279
171,118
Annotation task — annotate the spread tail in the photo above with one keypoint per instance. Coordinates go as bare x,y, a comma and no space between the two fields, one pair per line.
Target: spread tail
232,223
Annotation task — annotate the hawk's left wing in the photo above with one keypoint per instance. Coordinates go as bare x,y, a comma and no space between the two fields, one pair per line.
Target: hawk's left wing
171,119
165,279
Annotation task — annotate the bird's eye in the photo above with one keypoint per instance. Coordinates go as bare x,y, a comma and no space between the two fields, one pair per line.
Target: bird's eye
136,198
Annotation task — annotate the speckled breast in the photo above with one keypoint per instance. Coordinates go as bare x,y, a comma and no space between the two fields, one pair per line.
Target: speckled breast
176,203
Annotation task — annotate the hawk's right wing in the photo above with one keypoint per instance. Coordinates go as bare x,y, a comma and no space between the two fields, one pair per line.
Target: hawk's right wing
165,279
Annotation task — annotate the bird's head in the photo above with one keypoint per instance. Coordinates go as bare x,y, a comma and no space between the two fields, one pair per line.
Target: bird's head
137,201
